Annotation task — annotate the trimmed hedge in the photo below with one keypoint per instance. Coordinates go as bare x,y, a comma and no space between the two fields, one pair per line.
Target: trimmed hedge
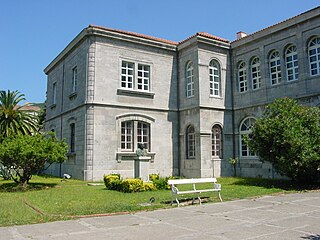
114,182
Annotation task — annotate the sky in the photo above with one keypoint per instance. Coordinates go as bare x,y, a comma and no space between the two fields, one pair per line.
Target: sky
34,32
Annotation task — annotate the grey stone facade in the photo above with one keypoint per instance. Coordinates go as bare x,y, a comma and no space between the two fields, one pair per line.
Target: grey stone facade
109,90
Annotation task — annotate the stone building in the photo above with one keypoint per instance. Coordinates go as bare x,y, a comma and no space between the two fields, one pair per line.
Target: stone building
187,103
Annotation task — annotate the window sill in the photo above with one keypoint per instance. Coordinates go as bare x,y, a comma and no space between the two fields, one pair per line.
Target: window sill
135,93
73,96
123,156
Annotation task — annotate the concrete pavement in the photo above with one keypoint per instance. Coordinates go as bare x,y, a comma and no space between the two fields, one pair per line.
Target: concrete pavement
292,216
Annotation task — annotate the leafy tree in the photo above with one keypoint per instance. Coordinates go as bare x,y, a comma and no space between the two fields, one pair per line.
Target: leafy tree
26,155
13,121
288,136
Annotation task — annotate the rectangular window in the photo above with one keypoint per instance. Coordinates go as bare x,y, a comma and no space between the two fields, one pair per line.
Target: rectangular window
54,93
135,76
143,77
134,133
74,79
127,136
72,137
127,74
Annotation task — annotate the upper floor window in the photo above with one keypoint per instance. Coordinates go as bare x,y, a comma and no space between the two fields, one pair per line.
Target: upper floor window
291,57
54,93
135,76
216,141
143,77
189,80
275,67
72,137
245,129
242,77
255,73
215,78
190,142
314,56
127,74
134,133
74,79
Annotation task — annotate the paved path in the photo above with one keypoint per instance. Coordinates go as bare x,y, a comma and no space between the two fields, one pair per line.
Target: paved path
293,216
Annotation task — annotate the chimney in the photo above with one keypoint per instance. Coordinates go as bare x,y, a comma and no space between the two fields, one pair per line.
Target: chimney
241,35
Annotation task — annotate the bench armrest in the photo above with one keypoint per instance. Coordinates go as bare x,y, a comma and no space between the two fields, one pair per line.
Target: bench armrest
174,189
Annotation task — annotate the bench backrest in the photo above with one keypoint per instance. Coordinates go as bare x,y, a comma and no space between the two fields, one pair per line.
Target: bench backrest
191,181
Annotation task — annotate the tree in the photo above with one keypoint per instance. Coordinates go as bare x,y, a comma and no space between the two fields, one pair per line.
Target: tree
13,121
288,136
26,155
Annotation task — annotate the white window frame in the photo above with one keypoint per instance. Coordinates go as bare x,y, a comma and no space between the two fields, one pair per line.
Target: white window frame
255,73
275,67
244,130
291,58
242,77
189,79
134,132
215,78
216,141
135,76
190,142
74,79
314,56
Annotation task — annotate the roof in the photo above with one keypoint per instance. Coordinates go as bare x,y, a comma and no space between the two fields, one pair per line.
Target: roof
206,35
134,34
280,23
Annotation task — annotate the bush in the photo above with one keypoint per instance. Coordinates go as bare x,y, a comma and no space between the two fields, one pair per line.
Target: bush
131,185
112,182
153,177
161,183
147,186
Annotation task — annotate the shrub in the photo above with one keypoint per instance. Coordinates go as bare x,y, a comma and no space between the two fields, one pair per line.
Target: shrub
161,183
153,176
112,181
149,186
131,185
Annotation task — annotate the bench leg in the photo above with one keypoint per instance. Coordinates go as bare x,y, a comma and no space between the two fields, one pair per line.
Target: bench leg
220,196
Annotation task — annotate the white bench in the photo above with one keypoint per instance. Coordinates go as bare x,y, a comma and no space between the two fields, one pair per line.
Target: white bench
174,183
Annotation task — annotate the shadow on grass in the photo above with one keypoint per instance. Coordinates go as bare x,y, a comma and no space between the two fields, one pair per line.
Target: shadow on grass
14,187
276,183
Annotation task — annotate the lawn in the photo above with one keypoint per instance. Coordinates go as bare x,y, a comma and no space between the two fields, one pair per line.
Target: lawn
51,199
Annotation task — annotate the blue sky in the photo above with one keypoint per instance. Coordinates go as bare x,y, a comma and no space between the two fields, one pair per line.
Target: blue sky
34,32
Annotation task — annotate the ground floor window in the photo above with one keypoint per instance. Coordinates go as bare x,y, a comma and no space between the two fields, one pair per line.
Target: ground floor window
134,133
245,129
190,142
216,140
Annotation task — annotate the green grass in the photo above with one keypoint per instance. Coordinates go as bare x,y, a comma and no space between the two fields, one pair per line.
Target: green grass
50,199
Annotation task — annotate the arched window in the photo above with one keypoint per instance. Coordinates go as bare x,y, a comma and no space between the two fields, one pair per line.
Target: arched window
215,78
190,142
245,129
242,77
255,73
314,56
292,63
275,67
189,80
134,133
216,140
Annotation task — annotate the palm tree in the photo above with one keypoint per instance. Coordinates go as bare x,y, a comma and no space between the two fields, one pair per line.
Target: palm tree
12,120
